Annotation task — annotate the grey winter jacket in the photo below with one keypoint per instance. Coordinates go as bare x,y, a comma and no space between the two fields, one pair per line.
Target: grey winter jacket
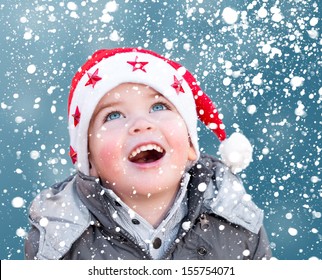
69,221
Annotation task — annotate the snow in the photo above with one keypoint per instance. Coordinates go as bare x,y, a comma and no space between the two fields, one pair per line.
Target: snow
313,33
299,111
115,215
72,6
20,232
289,216
18,202
220,209
257,80
111,6
315,179
247,197
265,151
34,154
292,231
23,20
43,222
114,36
297,81
230,16
277,16
227,81
251,109
51,89
53,109
314,21
266,48
246,253
186,225
131,213
19,171
28,36
262,12
19,119
316,215
202,187
221,227
31,69
106,18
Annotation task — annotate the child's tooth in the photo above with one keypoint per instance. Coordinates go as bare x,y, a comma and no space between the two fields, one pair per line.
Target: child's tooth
146,148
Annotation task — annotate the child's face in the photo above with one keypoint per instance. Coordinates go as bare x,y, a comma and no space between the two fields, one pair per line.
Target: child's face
128,120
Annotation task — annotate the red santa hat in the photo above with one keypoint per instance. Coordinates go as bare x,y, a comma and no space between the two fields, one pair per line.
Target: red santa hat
106,69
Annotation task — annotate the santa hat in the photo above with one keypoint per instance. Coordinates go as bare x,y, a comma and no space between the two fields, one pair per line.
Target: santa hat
106,69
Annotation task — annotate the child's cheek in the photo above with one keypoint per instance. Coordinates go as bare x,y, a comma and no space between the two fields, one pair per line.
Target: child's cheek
179,138
112,148
172,121
108,150
177,127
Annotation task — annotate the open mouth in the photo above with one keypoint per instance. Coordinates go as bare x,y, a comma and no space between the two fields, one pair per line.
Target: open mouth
146,154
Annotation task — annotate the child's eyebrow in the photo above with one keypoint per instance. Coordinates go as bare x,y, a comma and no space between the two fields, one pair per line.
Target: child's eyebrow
108,104
156,96
105,106
111,104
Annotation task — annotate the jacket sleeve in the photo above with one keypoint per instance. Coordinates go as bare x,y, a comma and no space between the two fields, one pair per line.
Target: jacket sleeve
263,250
32,244
226,196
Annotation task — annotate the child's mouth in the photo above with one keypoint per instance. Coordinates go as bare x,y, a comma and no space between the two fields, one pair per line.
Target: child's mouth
147,154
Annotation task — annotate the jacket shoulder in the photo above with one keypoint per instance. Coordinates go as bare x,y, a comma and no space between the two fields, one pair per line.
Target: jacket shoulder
226,196
210,161
58,218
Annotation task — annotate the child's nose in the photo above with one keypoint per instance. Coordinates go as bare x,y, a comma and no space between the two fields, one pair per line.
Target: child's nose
141,125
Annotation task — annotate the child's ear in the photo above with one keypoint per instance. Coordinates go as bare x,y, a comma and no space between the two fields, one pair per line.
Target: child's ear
92,169
192,155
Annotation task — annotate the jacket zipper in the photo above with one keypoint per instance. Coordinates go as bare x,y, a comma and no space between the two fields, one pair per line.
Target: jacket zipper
128,237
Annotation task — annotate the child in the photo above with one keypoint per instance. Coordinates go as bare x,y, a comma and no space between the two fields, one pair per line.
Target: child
142,190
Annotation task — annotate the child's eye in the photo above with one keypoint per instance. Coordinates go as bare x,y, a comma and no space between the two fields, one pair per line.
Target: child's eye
159,107
113,116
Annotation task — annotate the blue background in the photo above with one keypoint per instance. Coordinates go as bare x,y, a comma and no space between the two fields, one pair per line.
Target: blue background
278,47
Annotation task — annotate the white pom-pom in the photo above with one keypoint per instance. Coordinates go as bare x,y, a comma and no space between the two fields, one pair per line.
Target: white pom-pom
236,152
